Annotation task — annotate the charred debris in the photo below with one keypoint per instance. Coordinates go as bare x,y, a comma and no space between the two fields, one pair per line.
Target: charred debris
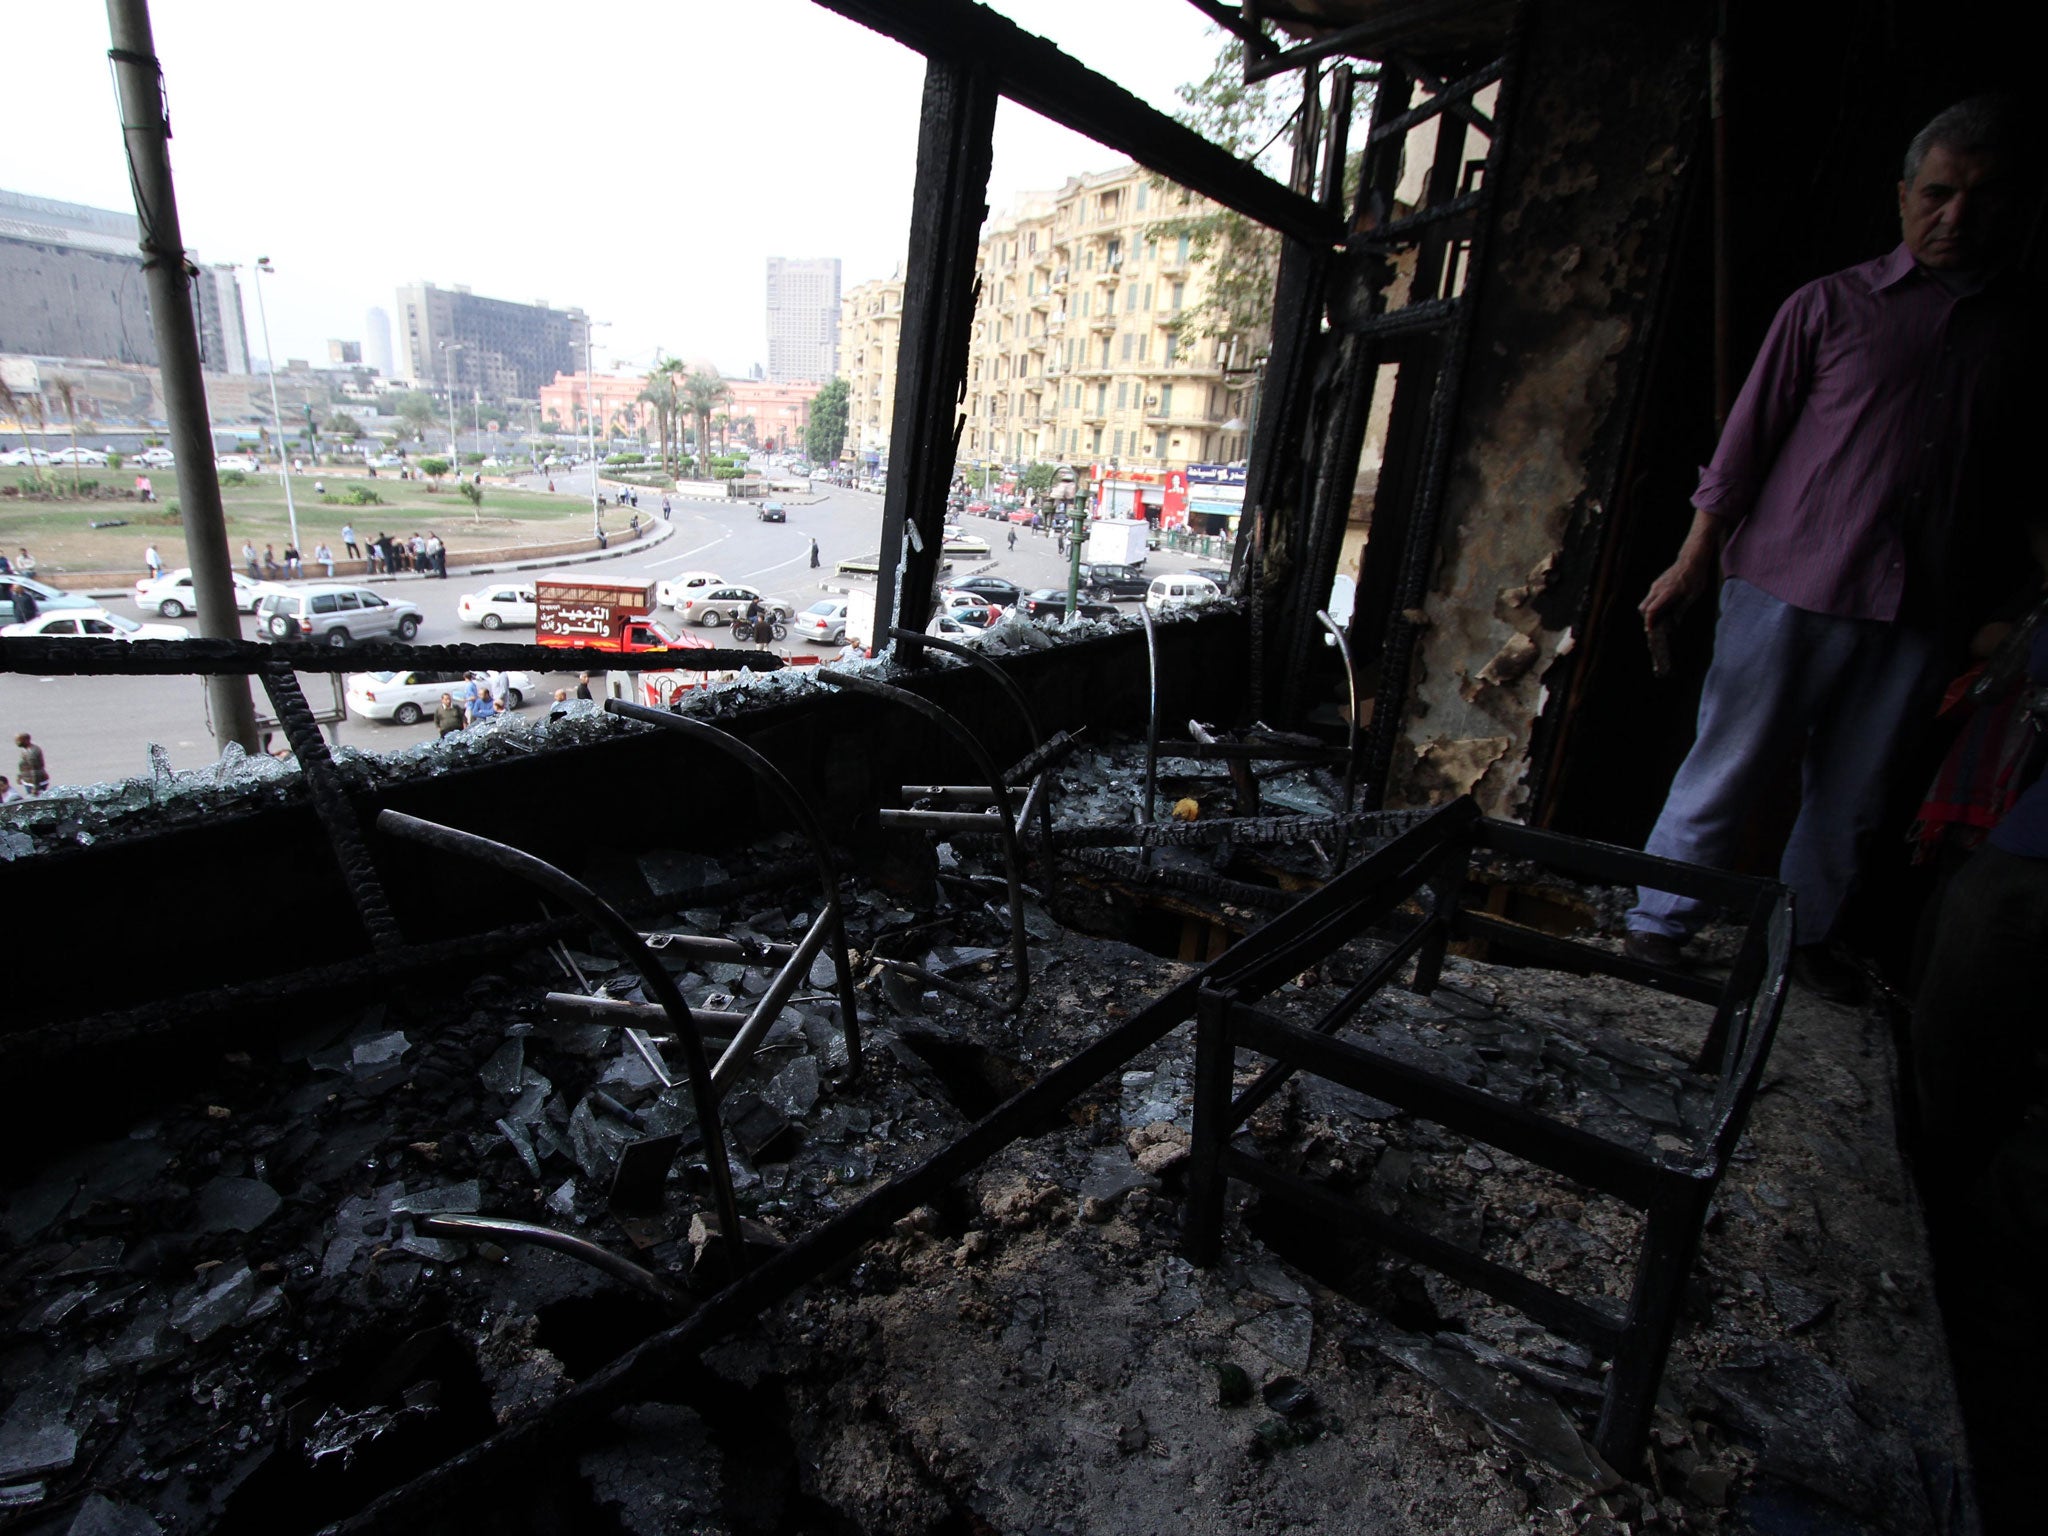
952,1185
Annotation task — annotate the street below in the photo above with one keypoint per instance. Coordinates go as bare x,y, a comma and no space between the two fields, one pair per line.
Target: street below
96,729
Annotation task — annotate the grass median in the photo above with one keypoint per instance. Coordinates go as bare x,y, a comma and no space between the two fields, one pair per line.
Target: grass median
59,531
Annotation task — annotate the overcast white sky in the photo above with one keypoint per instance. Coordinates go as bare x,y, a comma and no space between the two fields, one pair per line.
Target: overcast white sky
640,158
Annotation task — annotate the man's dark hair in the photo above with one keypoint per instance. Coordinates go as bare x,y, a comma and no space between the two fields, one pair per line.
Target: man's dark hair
1980,125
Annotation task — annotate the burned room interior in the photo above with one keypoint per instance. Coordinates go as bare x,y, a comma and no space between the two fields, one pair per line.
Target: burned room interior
1171,1073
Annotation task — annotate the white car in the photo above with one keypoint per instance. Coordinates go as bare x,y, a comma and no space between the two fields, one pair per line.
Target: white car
670,593
958,541
172,595
85,458
94,624
823,623
157,458
244,462
495,607
23,458
406,698
1183,591
721,605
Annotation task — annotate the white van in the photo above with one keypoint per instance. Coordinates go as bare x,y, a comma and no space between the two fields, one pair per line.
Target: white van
1182,591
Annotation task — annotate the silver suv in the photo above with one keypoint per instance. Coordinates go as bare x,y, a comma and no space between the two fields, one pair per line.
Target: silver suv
334,615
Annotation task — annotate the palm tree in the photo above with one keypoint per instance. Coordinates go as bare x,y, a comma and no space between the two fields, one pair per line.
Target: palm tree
16,407
704,393
664,381
68,393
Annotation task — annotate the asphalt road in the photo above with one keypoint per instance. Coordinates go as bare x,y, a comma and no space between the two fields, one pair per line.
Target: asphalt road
97,729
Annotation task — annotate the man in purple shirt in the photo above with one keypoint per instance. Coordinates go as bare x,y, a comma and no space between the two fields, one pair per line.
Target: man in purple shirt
1836,511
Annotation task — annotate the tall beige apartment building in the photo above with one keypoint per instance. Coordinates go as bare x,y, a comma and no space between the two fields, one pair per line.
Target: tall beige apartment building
870,330
1084,348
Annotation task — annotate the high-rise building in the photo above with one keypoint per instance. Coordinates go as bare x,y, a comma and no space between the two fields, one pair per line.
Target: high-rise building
72,286
870,329
377,341
455,339
343,354
803,320
1085,347
223,338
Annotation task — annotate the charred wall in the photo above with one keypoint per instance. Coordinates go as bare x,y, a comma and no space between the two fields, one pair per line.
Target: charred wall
1604,140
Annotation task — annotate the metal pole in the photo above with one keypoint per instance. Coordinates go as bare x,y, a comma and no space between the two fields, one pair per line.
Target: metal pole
590,422
145,133
284,468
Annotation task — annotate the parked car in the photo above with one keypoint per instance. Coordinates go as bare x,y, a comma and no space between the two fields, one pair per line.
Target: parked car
1051,603
85,458
1220,574
172,594
718,605
94,624
495,607
958,541
45,595
406,698
23,458
1115,582
157,458
772,512
823,623
970,608
671,593
245,462
334,615
995,589
978,508
1021,515
1181,591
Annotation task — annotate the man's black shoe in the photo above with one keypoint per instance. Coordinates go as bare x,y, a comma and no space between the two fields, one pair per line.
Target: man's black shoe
1826,974
1652,949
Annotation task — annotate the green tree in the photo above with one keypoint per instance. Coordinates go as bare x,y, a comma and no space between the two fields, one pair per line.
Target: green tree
344,426
1039,476
68,393
474,494
434,469
825,432
703,394
416,412
19,407
1240,257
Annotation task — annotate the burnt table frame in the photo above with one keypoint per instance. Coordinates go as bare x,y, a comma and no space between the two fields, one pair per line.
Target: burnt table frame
1415,886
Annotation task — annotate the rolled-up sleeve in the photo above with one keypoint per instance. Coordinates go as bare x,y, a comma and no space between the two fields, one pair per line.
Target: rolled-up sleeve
1771,399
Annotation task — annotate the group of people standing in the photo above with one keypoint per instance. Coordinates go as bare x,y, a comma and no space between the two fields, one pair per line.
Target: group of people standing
422,553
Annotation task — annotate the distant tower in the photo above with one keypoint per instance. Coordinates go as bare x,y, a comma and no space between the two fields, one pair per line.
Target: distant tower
377,340
803,320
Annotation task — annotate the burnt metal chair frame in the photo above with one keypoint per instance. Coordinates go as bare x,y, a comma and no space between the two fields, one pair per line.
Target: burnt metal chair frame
1418,882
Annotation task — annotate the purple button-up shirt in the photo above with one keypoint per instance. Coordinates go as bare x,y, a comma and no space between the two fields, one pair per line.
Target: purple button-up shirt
1840,466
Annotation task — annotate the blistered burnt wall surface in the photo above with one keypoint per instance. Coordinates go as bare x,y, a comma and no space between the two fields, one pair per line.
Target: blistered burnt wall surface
1608,105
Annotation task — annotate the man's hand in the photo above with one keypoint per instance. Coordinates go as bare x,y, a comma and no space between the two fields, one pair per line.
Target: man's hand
1692,573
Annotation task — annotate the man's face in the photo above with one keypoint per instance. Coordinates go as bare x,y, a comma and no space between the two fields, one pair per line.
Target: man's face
1952,216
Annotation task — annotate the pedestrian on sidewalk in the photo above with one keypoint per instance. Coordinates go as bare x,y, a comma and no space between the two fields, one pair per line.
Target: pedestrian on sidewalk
154,561
348,541
1013,538
814,554
583,685
271,569
437,555
24,563
292,566
667,512
30,770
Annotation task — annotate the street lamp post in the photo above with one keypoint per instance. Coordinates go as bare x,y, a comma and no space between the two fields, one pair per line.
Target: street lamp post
590,417
284,468
448,368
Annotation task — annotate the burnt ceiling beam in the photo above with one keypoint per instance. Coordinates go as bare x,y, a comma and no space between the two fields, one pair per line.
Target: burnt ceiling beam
1034,73
1393,24
1233,20
955,133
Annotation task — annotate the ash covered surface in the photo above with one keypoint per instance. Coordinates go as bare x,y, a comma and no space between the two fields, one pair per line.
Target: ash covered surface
229,1318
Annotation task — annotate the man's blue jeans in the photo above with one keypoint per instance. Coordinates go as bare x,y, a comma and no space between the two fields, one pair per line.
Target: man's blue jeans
1784,682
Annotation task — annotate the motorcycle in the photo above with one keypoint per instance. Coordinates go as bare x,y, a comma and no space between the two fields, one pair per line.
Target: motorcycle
761,631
